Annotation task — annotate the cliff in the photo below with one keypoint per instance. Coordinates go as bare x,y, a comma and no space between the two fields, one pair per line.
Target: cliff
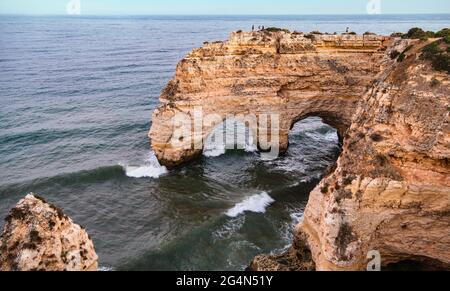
390,190
38,236
291,75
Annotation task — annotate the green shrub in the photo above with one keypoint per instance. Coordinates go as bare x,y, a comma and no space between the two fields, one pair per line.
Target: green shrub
431,50
447,39
441,62
369,33
430,34
415,33
352,33
276,29
443,33
316,32
397,34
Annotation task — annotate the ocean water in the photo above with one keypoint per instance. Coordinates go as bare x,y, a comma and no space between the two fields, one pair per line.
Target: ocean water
76,97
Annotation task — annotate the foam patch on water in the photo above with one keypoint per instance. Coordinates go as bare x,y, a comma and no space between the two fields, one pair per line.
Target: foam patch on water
229,135
151,169
256,203
250,147
297,217
214,151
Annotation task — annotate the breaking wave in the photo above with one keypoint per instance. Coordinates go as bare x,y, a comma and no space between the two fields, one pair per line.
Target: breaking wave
256,203
151,169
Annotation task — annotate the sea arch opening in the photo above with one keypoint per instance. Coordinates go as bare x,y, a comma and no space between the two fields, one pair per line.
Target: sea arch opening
233,133
331,119
315,143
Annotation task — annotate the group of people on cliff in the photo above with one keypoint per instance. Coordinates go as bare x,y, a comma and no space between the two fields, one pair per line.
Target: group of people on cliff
260,27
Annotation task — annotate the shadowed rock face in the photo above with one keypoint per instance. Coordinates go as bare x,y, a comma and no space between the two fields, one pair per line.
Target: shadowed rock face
293,75
390,191
39,237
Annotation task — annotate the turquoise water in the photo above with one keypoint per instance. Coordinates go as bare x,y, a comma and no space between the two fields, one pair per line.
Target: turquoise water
76,97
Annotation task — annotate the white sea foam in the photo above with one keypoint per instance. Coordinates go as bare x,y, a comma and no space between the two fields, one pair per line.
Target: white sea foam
231,134
297,217
150,169
256,203
214,150
145,171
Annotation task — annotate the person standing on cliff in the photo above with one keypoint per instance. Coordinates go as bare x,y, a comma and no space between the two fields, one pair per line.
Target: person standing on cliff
253,27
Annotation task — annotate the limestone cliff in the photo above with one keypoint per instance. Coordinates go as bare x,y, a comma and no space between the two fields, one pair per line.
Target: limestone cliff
38,236
390,191
293,75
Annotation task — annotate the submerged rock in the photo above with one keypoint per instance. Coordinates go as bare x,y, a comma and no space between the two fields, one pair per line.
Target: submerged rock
39,237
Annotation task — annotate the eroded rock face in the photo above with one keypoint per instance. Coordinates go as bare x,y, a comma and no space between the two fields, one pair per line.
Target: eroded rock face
39,237
292,75
390,191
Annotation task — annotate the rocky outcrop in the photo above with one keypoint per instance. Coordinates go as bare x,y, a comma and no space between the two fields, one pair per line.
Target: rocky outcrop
291,75
297,258
39,237
390,190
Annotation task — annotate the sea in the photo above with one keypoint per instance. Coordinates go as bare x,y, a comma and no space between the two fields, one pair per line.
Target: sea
76,99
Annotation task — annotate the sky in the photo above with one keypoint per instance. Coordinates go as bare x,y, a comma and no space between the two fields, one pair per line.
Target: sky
224,7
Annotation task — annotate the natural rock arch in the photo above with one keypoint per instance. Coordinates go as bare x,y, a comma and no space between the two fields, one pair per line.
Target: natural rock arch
291,75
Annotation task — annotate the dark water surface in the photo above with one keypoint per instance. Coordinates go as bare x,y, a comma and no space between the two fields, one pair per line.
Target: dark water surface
76,97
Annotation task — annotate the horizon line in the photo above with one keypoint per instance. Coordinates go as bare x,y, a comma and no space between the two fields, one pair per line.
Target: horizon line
213,14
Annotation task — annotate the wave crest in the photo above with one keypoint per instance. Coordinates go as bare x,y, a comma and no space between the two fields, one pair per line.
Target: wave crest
256,203
151,169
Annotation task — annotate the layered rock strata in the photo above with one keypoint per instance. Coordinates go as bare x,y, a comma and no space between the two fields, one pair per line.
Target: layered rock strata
291,75
390,190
